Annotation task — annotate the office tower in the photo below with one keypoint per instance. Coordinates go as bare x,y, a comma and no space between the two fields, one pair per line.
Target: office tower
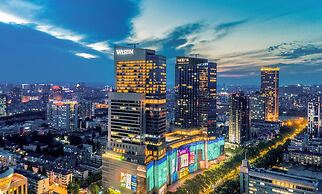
239,121
63,114
269,87
258,180
257,106
3,105
142,71
127,125
196,83
314,119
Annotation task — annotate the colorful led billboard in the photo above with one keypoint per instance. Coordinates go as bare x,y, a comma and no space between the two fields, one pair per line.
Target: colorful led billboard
128,181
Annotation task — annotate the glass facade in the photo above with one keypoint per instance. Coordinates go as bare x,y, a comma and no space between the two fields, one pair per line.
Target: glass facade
196,85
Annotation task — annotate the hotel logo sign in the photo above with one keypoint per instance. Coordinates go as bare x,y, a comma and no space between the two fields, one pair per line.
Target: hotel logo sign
124,51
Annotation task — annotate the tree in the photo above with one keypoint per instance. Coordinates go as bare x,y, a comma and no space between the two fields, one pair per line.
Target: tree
94,188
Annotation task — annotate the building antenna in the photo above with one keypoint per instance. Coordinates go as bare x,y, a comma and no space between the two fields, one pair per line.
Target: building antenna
133,44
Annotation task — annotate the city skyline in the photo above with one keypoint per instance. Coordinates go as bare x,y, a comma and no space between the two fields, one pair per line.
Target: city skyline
61,42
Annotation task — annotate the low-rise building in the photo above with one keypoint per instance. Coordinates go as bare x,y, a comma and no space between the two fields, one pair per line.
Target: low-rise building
12,183
37,183
60,177
258,180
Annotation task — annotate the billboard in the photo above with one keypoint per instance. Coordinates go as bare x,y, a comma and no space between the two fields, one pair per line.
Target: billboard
128,181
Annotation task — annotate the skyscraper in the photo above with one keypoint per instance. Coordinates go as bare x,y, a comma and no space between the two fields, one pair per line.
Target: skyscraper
196,85
314,119
142,71
257,106
3,105
239,121
269,87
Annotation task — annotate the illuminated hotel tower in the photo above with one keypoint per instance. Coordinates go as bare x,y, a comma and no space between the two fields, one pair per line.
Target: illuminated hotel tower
314,119
269,87
196,84
142,71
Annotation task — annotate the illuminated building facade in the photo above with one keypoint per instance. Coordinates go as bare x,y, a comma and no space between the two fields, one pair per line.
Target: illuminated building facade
187,152
239,120
126,125
142,71
3,105
257,106
11,183
258,180
63,114
314,119
269,87
196,85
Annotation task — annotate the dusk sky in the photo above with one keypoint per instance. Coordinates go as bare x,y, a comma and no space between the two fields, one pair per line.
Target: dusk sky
72,40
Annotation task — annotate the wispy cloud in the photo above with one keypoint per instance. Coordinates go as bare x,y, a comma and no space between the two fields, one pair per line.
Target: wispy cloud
224,29
86,55
286,55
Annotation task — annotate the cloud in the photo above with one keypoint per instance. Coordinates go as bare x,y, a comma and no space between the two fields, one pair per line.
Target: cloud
9,14
178,41
293,58
295,50
86,55
11,19
102,46
224,29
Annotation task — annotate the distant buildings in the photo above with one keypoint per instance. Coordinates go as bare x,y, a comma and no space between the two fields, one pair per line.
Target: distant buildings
63,114
270,87
314,128
305,151
3,105
196,85
239,119
257,180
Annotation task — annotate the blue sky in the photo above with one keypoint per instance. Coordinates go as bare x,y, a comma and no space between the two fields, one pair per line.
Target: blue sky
57,41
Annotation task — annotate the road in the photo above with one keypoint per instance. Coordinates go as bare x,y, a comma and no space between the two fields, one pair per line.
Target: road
298,124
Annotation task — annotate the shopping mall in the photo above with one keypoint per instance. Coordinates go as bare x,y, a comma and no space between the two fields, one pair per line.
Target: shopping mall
187,152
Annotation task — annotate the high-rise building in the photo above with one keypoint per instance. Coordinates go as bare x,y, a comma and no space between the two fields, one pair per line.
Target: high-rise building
257,106
143,71
269,87
3,105
239,121
196,84
127,125
258,180
63,114
314,127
